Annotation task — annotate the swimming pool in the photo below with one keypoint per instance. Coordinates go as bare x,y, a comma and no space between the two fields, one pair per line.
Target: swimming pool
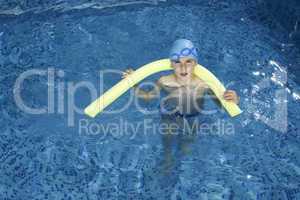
50,156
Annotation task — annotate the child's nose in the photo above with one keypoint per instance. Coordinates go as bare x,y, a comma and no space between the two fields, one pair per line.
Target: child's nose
183,68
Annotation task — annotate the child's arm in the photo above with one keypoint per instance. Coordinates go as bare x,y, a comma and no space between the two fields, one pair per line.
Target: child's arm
147,95
212,95
229,95
140,93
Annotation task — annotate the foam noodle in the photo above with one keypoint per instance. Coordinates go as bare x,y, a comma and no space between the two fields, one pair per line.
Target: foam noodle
157,66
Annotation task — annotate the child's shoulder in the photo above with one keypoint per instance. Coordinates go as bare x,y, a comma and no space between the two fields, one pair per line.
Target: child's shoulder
199,82
166,79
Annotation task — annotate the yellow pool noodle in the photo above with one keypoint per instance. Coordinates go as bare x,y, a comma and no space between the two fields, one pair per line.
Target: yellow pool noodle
121,87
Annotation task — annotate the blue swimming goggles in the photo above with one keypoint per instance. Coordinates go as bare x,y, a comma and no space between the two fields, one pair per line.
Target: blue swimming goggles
186,52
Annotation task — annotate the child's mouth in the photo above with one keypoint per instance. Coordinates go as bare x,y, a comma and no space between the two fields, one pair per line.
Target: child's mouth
183,74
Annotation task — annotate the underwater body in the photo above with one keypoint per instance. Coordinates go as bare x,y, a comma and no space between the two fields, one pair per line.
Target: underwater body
251,46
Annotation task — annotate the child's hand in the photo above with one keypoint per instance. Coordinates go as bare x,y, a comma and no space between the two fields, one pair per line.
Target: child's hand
231,95
127,73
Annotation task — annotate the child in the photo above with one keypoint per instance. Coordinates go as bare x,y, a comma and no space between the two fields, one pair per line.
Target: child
185,93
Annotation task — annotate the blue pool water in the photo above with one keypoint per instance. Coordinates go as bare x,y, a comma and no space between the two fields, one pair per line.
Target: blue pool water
46,156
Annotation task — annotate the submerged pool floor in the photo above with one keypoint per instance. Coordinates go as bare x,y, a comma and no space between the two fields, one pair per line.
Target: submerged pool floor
48,156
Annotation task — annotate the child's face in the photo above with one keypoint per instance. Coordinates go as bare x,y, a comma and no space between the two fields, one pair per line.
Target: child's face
184,68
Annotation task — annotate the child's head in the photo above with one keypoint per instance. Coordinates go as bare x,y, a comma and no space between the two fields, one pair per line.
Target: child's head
183,56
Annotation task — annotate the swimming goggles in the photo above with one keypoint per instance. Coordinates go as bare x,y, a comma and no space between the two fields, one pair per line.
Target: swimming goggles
186,52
